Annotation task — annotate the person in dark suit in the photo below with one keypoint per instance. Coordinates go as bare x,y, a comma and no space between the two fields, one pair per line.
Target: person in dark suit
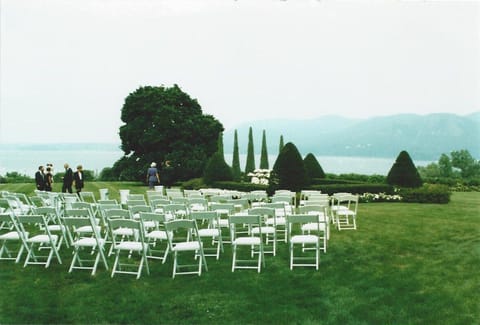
40,179
78,177
67,179
48,179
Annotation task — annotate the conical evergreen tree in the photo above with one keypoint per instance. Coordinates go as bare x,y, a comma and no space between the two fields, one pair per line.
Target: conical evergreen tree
288,171
403,172
264,154
250,164
313,168
236,171
280,146
220,144
217,169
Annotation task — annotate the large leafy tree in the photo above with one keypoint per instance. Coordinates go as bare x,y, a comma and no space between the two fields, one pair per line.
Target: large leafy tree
164,124
288,171
403,172
463,160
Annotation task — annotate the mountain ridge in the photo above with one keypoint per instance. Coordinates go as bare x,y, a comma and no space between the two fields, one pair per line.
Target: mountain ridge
425,137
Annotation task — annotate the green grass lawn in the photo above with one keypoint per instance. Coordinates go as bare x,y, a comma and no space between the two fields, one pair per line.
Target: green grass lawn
406,264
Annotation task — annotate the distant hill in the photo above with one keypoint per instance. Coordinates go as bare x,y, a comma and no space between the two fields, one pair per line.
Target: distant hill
425,137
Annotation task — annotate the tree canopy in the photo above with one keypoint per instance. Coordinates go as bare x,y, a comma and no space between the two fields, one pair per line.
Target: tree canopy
164,124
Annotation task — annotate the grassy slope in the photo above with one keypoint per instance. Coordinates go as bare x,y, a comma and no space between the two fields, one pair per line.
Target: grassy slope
406,264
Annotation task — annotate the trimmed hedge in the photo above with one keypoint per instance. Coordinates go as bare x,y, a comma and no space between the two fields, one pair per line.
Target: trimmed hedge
243,187
354,188
428,193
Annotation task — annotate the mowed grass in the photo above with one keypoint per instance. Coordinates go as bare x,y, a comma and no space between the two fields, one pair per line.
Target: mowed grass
406,264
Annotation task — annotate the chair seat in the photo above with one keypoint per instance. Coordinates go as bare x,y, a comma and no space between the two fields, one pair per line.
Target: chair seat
149,224
281,221
88,242
157,234
42,239
12,235
131,246
265,230
123,232
304,239
87,229
187,246
56,228
313,226
208,232
247,241
345,212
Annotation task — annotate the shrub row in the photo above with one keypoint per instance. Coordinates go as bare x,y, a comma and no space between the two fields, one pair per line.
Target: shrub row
428,193
354,188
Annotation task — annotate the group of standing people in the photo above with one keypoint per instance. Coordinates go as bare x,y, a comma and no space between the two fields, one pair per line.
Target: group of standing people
44,179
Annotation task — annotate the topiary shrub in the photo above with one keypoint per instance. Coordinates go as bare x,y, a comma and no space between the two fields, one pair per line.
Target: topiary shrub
404,173
312,167
217,169
288,171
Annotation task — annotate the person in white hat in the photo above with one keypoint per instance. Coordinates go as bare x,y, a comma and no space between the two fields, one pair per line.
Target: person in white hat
152,175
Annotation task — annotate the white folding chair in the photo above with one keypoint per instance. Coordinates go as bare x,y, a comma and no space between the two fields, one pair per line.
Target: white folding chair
323,226
347,215
43,240
193,243
79,242
302,255
136,244
238,225
269,230
155,235
10,234
211,230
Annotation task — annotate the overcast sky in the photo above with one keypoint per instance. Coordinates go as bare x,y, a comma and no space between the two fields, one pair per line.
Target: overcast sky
67,66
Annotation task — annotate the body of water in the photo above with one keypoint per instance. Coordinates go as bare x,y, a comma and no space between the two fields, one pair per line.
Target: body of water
339,164
26,161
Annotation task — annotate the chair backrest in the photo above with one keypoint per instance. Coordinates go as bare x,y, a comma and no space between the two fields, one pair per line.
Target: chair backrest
179,199
133,197
109,201
38,201
117,214
88,197
224,208
81,205
139,208
319,210
238,223
301,219
135,225
131,203
243,203
263,211
205,215
158,218
36,219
